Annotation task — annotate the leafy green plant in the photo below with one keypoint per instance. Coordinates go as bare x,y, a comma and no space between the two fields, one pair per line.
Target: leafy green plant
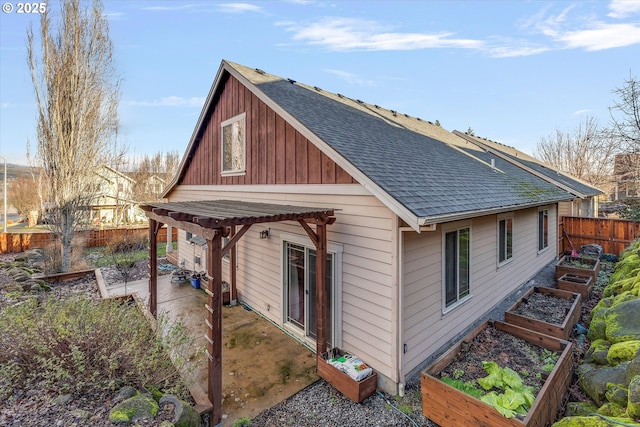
465,386
517,398
458,373
549,358
242,422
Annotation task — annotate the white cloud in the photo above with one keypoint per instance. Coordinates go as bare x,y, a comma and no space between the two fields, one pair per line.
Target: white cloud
580,112
350,78
346,34
170,8
623,8
171,101
602,36
238,8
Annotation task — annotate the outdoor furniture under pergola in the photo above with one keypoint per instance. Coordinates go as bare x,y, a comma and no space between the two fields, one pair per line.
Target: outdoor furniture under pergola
213,220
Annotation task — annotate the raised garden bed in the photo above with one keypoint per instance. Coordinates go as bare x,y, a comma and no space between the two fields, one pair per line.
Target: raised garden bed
575,283
547,311
449,406
579,266
354,390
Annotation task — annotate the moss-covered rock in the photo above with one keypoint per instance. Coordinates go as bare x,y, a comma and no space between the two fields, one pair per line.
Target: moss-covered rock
623,321
623,351
597,352
575,409
597,320
617,393
612,410
633,404
594,421
184,415
633,368
594,379
134,409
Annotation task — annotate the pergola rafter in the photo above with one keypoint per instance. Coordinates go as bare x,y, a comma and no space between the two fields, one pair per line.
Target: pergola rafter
213,220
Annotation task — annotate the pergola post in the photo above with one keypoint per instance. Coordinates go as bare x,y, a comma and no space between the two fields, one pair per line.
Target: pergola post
321,288
214,327
154,226
233,290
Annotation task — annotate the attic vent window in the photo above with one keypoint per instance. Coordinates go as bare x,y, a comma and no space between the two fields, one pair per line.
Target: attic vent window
259,71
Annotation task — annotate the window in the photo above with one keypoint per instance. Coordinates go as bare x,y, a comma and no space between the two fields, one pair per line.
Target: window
189,236
233,145
457,256
543,229
505,240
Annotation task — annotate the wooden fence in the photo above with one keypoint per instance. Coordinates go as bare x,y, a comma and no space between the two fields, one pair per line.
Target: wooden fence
19,242
613,234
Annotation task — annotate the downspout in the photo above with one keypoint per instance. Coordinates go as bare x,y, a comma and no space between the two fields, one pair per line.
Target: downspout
399,304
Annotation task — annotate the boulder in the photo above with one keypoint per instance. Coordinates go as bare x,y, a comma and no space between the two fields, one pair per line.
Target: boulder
633,404
594,379
133,409
623,351
597,352
184,415
584,409
617,393
126,392
623,321
594,421
633,368
611,410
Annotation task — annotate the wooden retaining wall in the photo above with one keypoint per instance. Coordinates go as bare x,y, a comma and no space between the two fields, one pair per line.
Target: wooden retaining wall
20,242
613,234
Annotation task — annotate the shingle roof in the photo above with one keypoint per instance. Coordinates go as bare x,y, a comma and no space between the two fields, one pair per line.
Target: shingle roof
517,157
429,177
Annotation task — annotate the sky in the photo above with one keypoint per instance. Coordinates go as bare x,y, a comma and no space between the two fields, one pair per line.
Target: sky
512,71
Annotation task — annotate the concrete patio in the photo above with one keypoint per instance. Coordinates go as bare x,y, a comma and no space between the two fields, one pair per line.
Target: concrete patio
252,371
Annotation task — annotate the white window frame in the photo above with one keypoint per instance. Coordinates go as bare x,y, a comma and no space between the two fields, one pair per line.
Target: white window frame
459,300
243,167
508,259
336,250
540,232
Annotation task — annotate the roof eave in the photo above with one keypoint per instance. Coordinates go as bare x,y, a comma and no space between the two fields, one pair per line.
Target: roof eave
438,219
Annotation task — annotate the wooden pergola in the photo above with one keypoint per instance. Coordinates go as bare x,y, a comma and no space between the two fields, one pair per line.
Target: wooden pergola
213,220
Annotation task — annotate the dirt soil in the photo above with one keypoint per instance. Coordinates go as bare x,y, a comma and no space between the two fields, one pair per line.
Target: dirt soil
544,307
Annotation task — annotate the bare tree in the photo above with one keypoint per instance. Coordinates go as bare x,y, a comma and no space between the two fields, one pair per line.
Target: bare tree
77,94
586,153
152,173
625,115
21,194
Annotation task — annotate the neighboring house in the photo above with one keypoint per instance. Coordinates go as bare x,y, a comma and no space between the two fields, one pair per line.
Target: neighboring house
114,202
432,229
626,175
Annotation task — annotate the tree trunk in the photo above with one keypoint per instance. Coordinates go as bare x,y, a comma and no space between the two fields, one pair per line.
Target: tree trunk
67,237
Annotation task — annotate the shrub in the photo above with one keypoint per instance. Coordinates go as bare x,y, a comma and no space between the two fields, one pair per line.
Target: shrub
78,344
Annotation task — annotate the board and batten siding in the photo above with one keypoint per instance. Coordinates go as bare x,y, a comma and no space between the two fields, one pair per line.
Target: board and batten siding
276,153
363,232
426,329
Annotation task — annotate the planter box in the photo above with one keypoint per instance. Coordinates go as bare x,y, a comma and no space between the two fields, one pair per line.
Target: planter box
562,330
354,390
575,283
448,406
564,267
